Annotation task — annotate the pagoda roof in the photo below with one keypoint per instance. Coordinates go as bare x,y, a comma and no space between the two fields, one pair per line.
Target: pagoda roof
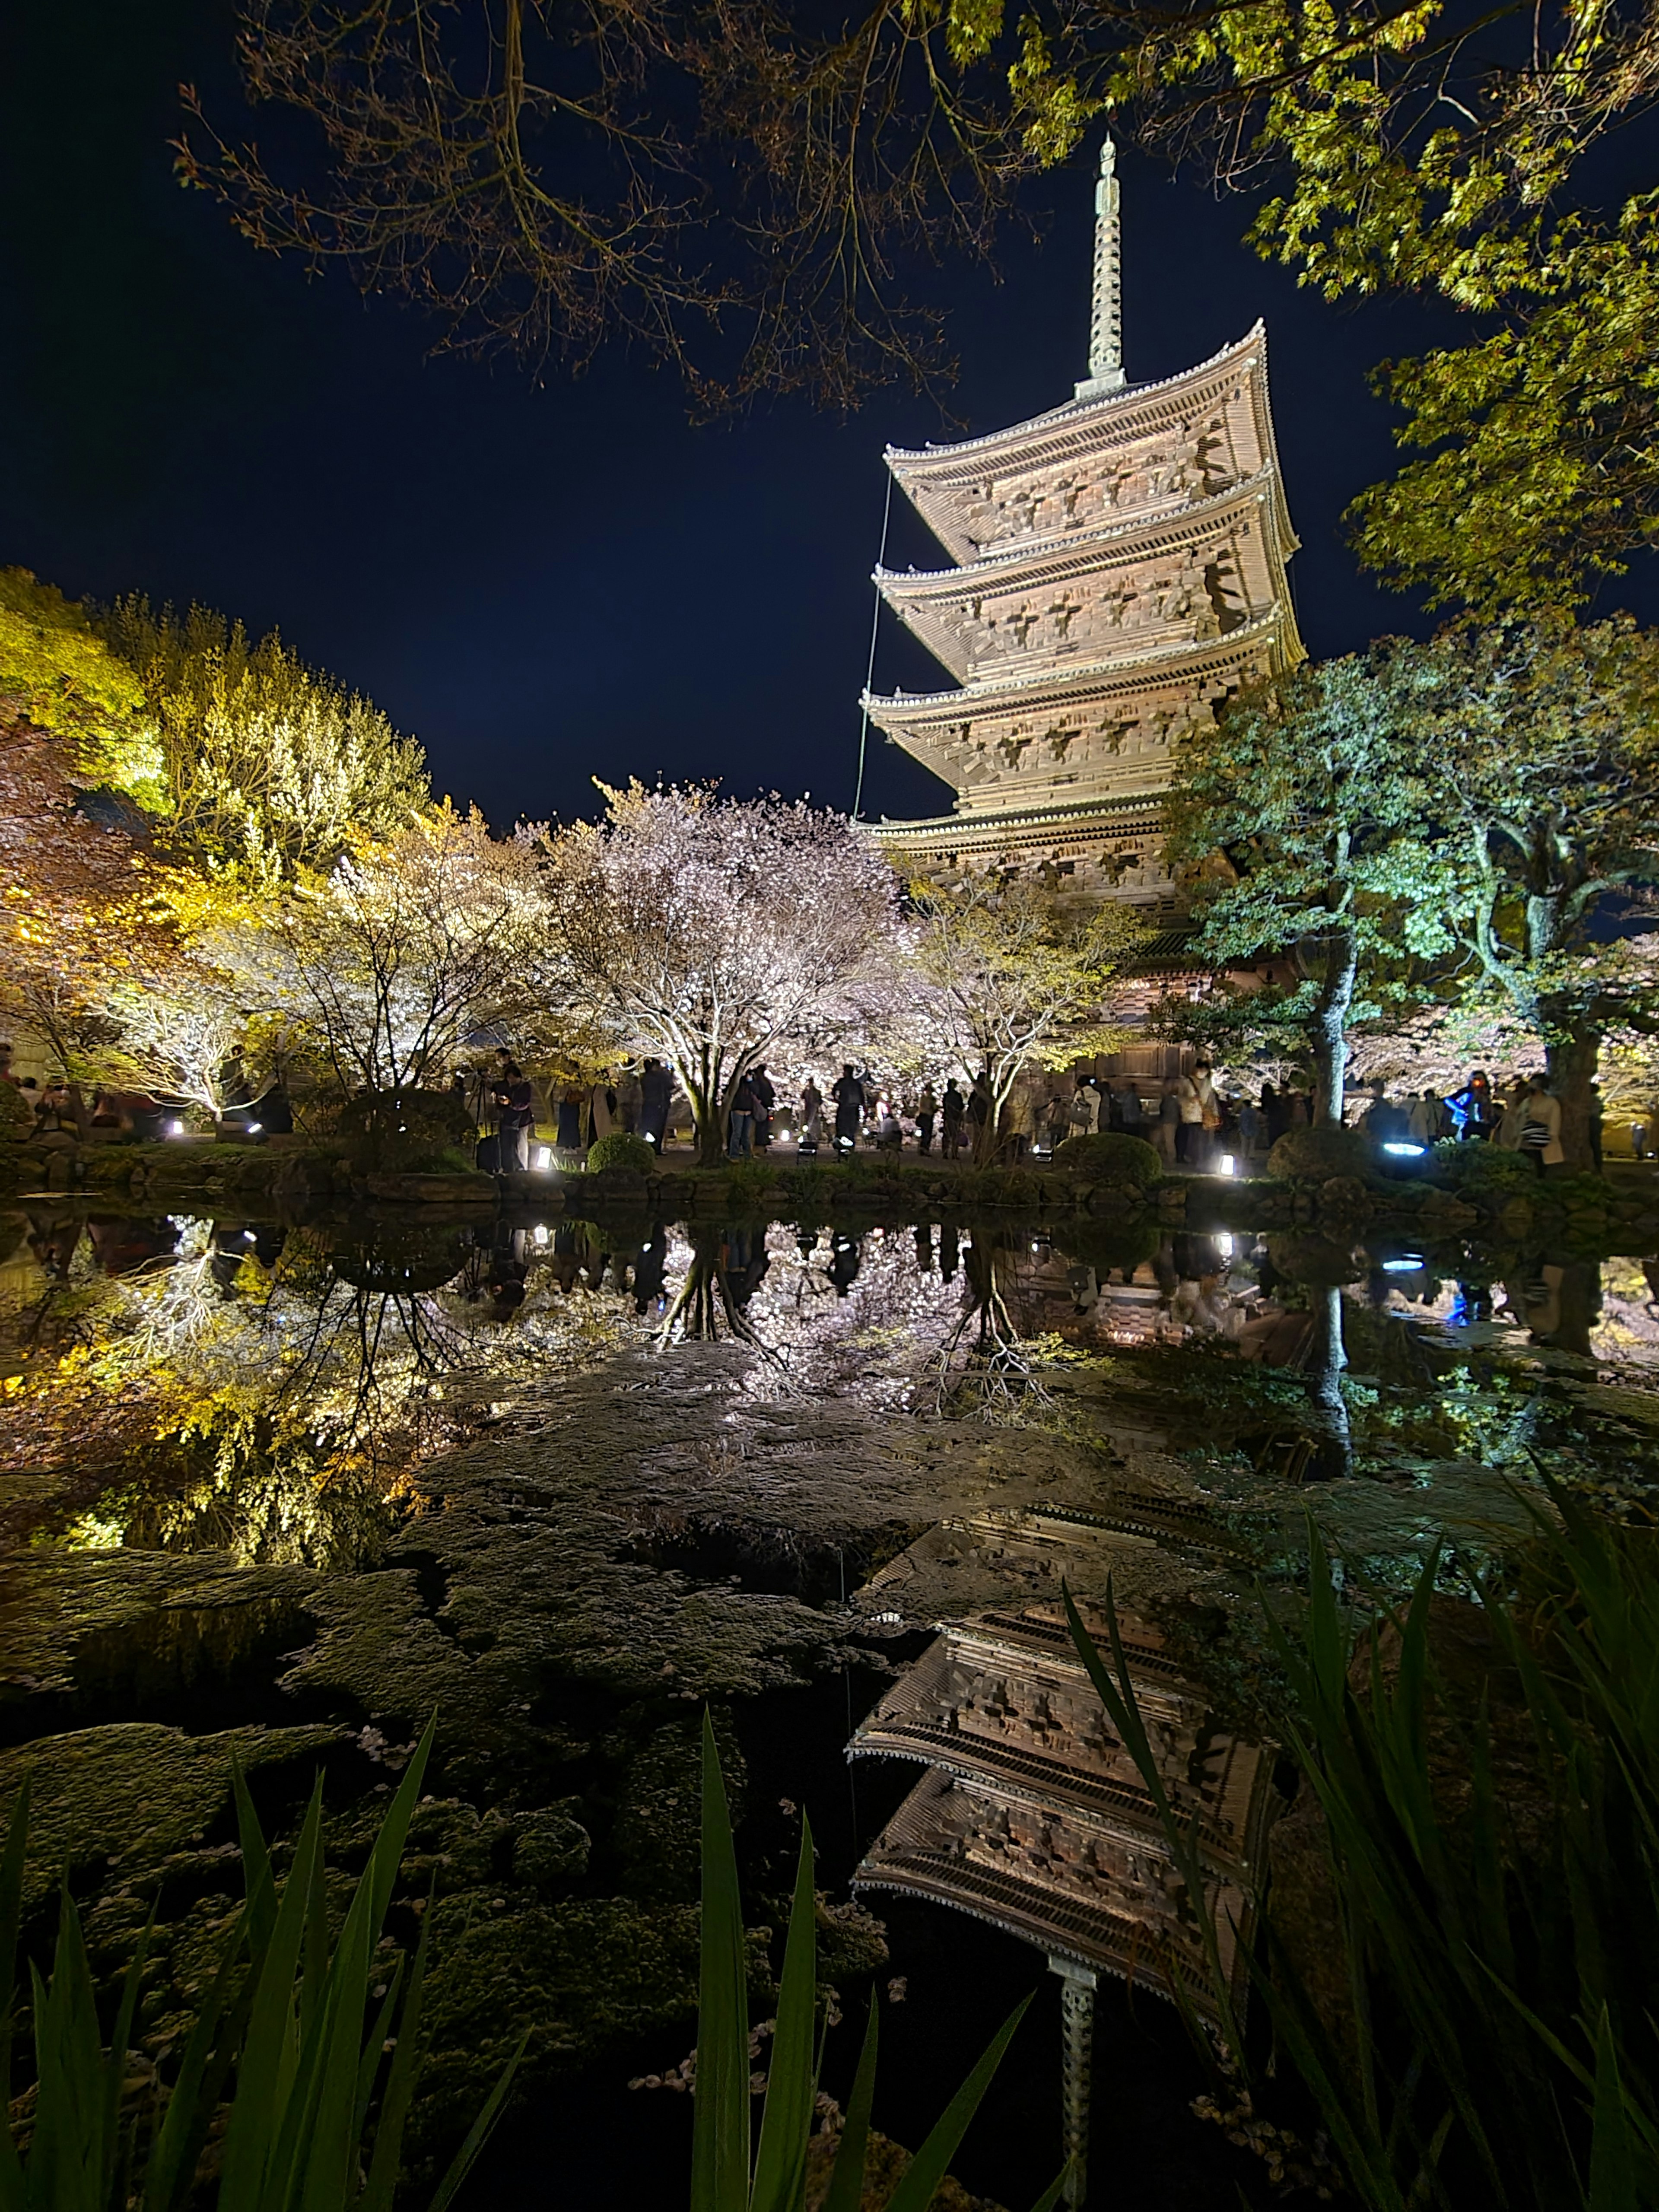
1185,659
1109,814
1134,1929
923,597
934,476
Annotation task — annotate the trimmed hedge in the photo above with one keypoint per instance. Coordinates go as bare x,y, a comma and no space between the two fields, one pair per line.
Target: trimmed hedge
1316,1155
619,1150
1111,1156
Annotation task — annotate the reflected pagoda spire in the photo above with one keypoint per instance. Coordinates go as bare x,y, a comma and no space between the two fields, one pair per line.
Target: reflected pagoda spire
1106,323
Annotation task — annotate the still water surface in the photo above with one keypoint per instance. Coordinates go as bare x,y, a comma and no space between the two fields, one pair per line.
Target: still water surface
279,1491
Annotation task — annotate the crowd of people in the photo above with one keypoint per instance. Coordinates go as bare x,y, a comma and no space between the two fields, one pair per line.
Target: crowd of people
1191,1120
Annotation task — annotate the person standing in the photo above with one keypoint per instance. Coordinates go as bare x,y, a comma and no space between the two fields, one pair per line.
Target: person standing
1474,1108
1080,1114
953,1112
656,1088
1541,1136
927,1114
1423,1119
740,1123
1130,1112
1166,1131
1056,1120
628,1100
760,1083
515,1115
1195,1093
811,1118
1382,1122
602,1108
849,1094
1022,1120
1510,1125
1595,1114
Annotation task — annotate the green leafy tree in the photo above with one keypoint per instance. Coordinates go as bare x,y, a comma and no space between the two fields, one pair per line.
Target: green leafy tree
1301,816
268,766
62,675
1542,742
1012,979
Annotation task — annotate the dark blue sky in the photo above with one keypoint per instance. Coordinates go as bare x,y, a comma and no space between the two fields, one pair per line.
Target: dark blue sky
545,581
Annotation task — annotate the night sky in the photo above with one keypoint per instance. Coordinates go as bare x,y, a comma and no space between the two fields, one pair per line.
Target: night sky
548,581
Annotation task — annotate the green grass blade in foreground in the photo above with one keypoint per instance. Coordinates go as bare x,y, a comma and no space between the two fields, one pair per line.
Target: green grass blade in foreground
13,2186
846,2191
791,2081
720,2139
1051,2195
1613,2164
480,2132
264,2075
922,2177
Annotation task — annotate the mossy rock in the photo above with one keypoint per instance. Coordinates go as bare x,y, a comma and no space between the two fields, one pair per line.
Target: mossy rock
1317,1155
1111,1156
131,1792
619,1150
552,1846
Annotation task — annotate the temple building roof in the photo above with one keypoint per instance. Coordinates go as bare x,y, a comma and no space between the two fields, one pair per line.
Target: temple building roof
1034,1816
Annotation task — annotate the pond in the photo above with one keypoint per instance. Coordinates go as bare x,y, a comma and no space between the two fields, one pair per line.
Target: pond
277,1490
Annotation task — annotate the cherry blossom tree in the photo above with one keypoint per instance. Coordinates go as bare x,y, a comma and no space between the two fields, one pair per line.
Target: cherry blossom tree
408,945
712,933
1009,978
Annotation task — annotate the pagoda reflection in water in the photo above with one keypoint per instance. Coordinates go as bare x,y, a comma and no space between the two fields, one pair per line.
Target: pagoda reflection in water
1033,1816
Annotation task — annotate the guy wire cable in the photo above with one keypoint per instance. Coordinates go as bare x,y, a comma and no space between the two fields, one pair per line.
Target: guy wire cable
870,672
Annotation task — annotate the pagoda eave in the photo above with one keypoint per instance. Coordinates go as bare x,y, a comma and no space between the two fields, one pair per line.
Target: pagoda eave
1058,558
1189,660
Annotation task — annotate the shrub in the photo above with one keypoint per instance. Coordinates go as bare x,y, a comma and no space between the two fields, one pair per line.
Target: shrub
1475,1167
1315,1155
17,1114
619,1150
401,1132
1110,1156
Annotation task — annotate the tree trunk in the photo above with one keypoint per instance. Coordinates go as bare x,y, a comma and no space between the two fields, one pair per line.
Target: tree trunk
1330,1029
1327,1358
987,1133
708,1114
1572,1068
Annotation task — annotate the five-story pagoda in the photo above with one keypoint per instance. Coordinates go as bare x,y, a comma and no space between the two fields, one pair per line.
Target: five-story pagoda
1119,568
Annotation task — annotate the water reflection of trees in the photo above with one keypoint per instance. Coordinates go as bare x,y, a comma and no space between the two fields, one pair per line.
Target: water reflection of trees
989,1367
271,1394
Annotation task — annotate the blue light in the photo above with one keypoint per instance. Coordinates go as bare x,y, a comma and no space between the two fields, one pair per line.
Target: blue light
1407,1266
1406,1152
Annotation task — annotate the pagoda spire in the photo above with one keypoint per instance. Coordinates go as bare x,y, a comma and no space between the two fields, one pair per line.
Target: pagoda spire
1106,323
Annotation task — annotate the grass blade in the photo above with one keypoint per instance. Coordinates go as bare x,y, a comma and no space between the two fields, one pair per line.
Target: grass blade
846,2191
792,2079
720,2141
922,2177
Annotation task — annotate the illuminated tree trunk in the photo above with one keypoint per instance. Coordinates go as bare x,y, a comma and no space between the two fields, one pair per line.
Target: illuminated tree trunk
1330,1027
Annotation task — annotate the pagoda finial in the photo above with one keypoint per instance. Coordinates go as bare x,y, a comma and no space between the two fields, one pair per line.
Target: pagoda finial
1106,323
